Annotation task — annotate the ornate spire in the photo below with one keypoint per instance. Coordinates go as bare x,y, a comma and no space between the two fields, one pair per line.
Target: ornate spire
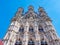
20,10
41,9
43,14
31,8
18,14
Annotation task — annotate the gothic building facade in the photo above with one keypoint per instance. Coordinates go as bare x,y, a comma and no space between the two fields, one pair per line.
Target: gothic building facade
31,28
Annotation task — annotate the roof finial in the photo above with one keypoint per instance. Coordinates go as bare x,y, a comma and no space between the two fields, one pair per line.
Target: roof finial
31,8
20,10
41,9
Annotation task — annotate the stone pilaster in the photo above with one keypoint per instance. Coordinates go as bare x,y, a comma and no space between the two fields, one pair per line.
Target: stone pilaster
25,40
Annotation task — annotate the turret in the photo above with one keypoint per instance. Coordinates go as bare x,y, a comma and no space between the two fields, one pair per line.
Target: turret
43,14
30,8
19,14
20,11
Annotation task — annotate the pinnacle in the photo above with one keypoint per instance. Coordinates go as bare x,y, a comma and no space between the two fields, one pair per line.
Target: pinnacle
30,7
41,9
20,9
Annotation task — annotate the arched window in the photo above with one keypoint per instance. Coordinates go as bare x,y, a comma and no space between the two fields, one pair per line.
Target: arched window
18,43
31,29
31,42
21,29
44,43
40,29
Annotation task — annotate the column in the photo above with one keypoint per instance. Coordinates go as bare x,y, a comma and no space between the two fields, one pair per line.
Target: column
37,42
25,40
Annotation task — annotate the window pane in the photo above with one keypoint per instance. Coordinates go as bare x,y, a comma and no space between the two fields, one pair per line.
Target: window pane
31,30
31,42
18,43
21,29
43,43
41,30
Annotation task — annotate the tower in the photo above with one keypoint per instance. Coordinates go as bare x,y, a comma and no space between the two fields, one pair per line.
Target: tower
31,28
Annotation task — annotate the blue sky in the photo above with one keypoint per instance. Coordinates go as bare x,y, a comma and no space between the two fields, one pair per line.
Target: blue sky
9,7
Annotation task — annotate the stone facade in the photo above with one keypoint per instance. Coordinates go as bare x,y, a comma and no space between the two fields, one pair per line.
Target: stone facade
31,28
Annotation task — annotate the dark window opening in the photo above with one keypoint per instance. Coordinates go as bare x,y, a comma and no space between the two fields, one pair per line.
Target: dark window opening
31,29
18,43
30,42
41,29
21,29
44,43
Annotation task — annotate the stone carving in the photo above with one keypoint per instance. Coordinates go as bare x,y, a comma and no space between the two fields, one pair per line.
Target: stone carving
31,28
